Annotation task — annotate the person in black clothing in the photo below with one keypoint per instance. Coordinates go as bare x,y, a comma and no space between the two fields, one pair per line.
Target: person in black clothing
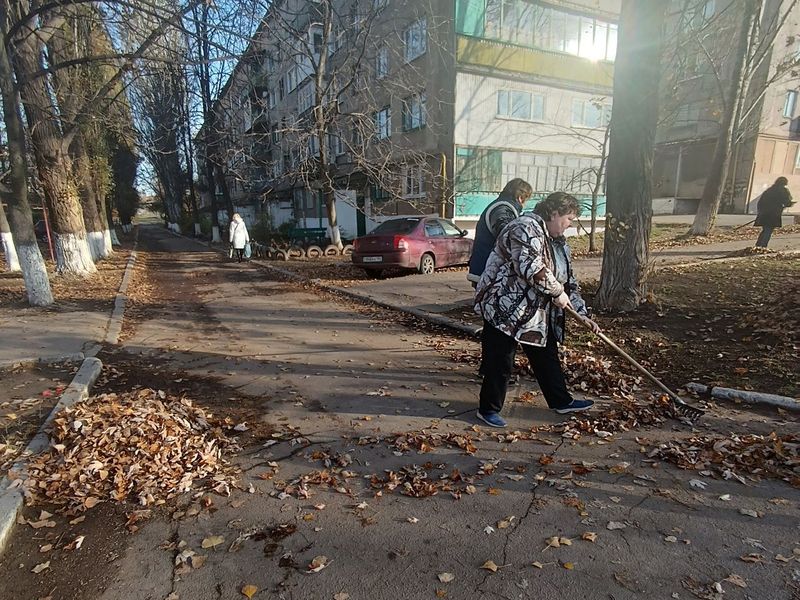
500,212
770,208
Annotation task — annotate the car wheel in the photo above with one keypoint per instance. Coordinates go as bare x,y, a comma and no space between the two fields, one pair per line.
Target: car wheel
314,252
427,264
374,273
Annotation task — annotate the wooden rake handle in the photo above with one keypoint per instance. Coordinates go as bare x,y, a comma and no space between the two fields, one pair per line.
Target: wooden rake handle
585,322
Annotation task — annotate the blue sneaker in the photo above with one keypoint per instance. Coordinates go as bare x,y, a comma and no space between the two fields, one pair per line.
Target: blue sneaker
575,406
492,419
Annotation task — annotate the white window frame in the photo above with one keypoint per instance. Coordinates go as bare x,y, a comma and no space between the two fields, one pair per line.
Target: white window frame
415,112
605,114
382,63
789,104
383,123
413,182
415,40
305,98
505,105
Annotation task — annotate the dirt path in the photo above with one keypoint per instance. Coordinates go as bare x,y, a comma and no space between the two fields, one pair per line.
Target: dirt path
322,388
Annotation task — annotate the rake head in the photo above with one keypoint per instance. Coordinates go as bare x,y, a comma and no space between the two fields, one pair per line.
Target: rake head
692,413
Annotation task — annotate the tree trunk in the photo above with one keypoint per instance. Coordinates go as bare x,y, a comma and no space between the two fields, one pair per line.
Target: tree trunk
95,231
10,252
52,161
226,193
715,181
34,271
634,116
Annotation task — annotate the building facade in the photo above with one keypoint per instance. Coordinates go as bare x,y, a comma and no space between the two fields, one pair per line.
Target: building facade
417,108
702,40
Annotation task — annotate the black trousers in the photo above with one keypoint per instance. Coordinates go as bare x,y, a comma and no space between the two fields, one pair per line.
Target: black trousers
239,254
497,358
764,236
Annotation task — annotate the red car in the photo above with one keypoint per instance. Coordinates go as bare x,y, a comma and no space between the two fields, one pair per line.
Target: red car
420,243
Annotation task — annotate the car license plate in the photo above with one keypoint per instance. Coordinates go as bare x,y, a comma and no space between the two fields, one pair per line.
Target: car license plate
373,259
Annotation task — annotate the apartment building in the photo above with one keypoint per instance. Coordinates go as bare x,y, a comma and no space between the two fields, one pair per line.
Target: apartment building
430,107
699,61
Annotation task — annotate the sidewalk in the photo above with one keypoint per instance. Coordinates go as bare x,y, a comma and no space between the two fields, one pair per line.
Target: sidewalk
445,291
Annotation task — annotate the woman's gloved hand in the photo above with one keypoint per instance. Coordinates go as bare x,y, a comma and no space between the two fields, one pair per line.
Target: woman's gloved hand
562,300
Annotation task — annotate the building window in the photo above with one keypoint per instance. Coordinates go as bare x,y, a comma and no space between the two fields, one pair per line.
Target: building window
590,113
305,98
281,89
382,63
415,39
379,4
413,182
383,123
336,145
513,104
530,24
789,104
414,112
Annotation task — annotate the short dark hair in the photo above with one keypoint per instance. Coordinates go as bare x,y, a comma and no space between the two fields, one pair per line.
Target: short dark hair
781,181
560,202
518,188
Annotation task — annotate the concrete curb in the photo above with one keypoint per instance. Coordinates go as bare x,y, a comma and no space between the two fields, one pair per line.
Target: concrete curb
114,329
723,393
11,493
42,360
727,259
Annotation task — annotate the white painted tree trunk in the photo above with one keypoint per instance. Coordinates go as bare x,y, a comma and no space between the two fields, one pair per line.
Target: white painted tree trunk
114,238
12,261
35,275
197,230
73,256
97,245
174,227
108,243
336,236
215,239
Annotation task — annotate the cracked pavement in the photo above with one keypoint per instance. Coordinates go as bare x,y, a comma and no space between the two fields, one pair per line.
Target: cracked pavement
318,379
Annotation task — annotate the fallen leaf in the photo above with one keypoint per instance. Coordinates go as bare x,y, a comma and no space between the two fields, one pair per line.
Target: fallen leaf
41,567
488,565
249,591
488,530
537,564
440,593
494,491
589,536
736,580
341,596
749,513
752,558
725,497
565,541
671,539
46,548
446,577
612,525
552,542
697,483
505,523
212,541
782,558
412,520
198,560
470,489
568,566
317,564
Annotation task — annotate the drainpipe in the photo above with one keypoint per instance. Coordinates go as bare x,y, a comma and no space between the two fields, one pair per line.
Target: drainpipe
442,187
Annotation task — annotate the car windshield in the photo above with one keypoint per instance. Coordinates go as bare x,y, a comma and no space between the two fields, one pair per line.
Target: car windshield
396,226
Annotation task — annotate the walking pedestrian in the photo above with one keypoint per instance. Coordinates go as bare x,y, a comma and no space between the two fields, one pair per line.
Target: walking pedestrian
500,212
521,295
238,235
770,209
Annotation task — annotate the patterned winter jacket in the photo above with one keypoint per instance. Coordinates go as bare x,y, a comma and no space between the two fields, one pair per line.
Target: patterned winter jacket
509,298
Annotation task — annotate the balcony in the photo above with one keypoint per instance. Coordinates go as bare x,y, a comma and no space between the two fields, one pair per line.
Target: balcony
552,65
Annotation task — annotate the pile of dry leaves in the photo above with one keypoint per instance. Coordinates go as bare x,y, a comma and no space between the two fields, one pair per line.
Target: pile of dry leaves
623,415
735,456
596,376
143,445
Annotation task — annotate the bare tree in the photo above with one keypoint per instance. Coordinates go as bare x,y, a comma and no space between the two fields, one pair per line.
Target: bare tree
630,163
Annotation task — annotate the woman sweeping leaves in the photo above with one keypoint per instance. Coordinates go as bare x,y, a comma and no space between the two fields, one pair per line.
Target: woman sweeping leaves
521,296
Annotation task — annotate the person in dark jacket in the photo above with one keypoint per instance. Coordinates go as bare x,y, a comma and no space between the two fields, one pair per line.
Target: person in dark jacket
527,283
770,208
502,210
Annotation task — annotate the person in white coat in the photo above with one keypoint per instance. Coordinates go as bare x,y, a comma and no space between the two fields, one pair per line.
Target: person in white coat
239,237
